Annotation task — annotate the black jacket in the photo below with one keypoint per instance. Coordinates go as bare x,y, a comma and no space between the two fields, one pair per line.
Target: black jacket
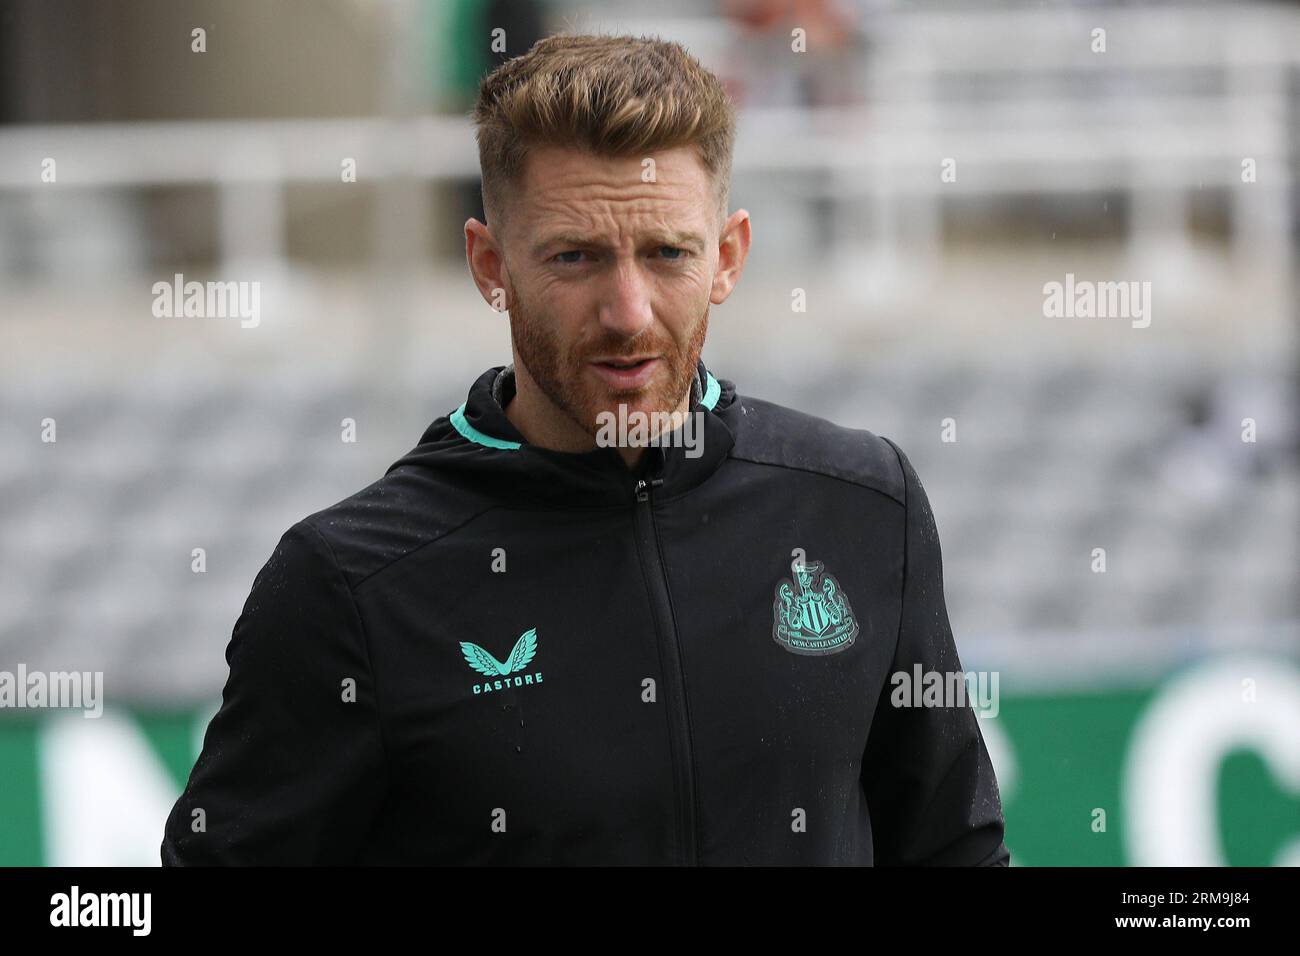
502,654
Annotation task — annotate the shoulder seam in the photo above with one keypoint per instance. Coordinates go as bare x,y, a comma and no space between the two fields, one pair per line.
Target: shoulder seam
361,628
402,557
820,473
902,589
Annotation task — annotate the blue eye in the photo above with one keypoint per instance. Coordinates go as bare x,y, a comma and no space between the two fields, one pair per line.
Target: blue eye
675,254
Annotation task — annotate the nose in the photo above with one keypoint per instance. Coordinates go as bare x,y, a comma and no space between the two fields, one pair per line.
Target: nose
625,306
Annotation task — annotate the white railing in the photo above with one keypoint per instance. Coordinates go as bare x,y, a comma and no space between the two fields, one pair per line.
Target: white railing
880,162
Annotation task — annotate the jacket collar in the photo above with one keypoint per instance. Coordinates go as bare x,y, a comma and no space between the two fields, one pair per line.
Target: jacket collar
478,441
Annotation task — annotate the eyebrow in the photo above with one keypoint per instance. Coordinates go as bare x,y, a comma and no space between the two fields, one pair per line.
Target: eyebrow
684,240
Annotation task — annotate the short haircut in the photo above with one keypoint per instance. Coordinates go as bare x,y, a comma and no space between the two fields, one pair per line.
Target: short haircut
613,96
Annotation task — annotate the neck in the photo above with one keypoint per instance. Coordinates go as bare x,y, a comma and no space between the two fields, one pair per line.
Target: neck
543,424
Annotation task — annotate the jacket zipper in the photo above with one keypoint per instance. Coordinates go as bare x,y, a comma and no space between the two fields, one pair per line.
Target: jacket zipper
657,581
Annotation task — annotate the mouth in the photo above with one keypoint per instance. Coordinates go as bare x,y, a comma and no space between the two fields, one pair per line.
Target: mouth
627,372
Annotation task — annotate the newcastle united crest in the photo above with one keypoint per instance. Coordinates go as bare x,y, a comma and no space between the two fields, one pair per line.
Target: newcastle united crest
811,614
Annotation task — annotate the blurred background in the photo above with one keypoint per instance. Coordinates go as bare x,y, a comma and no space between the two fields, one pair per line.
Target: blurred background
1118,495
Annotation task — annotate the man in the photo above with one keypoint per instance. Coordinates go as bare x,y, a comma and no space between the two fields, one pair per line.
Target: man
608,610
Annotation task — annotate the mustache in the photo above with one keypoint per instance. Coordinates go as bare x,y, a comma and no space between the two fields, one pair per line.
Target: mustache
623,349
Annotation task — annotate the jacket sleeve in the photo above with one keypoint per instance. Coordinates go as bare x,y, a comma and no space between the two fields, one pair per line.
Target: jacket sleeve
928,779
292,766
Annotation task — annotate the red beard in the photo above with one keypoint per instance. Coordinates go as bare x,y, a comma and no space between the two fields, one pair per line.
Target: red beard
564,378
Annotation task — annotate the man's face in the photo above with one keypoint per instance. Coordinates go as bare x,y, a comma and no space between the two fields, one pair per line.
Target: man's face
603,269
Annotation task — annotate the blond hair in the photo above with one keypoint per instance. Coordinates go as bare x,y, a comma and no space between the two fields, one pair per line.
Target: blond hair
613,96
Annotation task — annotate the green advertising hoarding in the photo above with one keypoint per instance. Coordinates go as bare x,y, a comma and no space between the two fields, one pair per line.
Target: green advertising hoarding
1201,767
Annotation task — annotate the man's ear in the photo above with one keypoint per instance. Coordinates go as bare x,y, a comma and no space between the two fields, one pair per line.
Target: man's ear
733,247
487,265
